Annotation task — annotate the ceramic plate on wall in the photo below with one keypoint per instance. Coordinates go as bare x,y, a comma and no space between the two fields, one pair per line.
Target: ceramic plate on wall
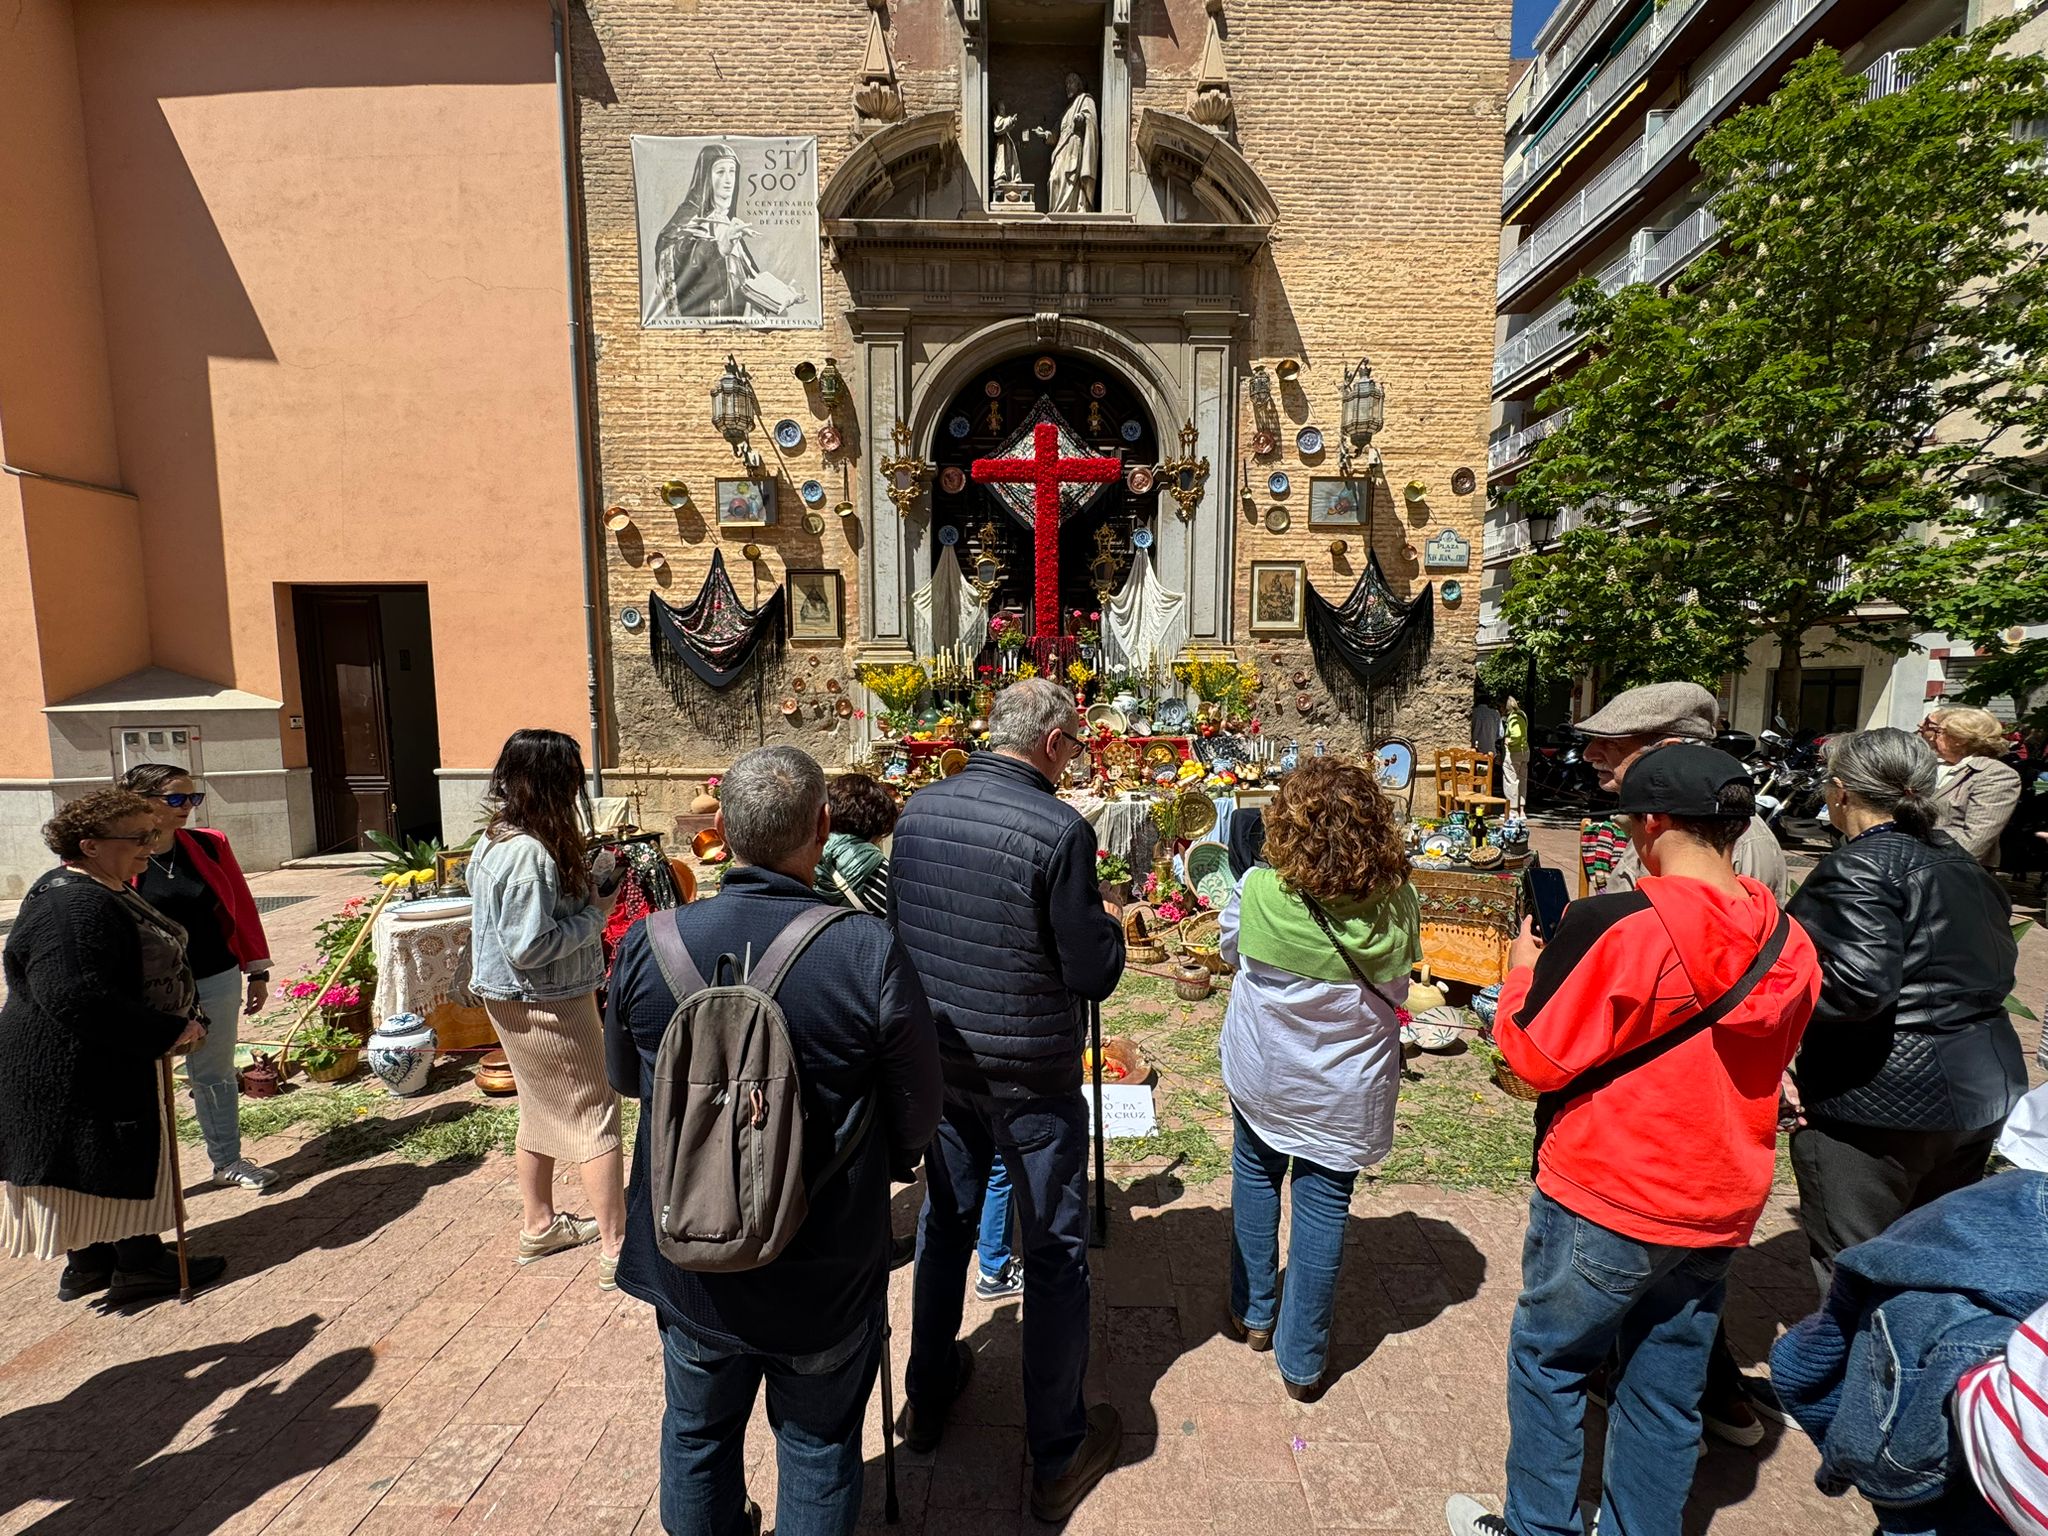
1278,520
1133,430
1462,481
959,426
630,618
1309,440
788,434
949,536
1277,482
1453,590
813,494
1141,538
953,480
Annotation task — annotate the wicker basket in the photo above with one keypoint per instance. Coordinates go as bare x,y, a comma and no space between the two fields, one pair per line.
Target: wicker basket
1505,1080
1141,939
1201,936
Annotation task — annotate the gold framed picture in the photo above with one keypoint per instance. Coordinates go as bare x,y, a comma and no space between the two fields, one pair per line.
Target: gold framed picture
817,606
1279,597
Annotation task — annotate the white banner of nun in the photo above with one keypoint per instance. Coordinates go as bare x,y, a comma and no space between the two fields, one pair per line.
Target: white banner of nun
728,232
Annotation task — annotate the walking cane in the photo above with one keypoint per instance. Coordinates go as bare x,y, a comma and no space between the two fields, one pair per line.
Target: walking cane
890,1513
1098,1237
177,1176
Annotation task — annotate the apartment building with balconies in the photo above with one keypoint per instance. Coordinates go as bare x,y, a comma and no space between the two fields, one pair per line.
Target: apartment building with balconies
1599,179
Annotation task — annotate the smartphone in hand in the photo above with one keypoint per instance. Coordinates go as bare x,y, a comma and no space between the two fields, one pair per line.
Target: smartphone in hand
607,870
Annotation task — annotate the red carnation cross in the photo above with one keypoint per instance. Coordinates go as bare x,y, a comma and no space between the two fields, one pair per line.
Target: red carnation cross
1047,472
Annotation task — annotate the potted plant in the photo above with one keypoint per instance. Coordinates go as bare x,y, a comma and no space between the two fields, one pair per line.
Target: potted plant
331,1051
406,863
335,938
344,1006
1007,634
899,686
1113,877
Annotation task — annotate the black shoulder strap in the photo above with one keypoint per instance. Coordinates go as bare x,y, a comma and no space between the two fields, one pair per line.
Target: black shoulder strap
774,964
1358,975
1551,1104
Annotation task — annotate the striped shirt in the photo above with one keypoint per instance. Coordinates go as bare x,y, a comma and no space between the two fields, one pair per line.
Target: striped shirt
2001,1415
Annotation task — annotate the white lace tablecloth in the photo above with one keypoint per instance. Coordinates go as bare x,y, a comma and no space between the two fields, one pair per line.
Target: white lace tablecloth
421,963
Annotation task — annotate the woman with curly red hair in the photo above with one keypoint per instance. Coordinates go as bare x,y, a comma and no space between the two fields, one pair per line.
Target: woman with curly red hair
1323,934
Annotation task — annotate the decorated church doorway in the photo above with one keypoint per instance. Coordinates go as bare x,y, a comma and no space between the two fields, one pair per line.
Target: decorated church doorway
1035,420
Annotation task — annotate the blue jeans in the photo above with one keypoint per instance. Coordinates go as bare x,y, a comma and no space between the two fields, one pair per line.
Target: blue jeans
1588,1292
816,1404
210,1069
1321,1202
1043,1146
994,1245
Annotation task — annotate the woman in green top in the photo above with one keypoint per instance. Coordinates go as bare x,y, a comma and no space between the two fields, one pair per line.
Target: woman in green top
853,871
1514,763
1323,940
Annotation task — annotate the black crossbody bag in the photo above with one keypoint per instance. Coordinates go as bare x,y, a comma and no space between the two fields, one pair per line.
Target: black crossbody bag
1550,1105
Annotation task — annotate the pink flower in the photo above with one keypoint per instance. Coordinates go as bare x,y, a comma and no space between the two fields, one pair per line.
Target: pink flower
1094,618
1403,1016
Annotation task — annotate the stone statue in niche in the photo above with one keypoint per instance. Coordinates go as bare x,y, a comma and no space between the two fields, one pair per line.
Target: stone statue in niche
1011,189
1077,154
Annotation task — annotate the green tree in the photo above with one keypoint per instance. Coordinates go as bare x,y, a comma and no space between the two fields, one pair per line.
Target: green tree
1753,453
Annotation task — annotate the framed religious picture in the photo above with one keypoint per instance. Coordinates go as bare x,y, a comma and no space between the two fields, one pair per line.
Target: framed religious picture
1279,596
817,601
746,503
728,232
1337,501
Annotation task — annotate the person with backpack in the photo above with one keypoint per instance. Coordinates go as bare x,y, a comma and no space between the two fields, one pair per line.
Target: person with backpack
809,1020
1656,1025
993,891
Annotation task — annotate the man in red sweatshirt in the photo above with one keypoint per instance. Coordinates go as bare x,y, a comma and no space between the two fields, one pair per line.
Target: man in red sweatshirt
1657,1025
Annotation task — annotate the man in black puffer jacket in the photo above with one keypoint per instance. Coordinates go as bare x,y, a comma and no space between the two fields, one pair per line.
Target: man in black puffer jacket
993,892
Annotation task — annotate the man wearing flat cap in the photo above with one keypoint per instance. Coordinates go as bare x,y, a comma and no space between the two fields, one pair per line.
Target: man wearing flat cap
1657,715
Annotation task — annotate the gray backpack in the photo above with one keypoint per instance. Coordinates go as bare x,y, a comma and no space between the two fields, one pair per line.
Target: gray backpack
726,1146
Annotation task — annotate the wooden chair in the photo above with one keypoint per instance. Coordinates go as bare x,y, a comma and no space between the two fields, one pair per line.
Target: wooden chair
1464,782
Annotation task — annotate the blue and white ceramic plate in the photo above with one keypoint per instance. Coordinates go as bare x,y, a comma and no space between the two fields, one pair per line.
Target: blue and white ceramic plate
788,434
813,494
1277,482
1453,590
1310,441
1141,538
949,536
1171,714
1133,430
959,426
631,618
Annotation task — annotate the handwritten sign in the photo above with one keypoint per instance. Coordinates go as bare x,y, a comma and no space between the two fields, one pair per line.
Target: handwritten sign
1126,1110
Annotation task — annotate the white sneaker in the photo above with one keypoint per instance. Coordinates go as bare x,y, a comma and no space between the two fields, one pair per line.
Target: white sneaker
243,1174
1466,1516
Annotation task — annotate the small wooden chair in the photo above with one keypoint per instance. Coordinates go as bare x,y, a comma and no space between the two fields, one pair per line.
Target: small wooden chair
1464,782
1478,794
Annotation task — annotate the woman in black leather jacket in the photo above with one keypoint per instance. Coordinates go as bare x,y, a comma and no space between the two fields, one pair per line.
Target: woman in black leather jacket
1910,1065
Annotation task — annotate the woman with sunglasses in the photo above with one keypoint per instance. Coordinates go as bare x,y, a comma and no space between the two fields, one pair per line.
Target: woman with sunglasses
192,878
98,992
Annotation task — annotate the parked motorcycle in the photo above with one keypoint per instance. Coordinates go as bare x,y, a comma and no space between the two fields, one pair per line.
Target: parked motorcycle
1787,769
1559,774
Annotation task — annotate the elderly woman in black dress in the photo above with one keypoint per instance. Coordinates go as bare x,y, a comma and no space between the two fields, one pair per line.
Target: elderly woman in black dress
98,994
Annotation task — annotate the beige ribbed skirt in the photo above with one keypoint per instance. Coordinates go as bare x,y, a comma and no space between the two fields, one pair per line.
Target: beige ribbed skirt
44,1222
567,1109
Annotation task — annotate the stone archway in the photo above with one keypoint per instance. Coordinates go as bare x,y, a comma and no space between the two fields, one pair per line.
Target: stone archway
1180,369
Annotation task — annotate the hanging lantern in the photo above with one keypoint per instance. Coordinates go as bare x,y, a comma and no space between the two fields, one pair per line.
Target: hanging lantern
831,387
732,404
1262,390
1365,404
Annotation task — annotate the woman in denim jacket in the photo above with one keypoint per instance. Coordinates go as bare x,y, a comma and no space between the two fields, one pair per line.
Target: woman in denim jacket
537,958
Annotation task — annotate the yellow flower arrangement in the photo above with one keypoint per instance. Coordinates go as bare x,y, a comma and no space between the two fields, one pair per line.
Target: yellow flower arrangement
1027,669
1220,680
899,687
407,877
1080,674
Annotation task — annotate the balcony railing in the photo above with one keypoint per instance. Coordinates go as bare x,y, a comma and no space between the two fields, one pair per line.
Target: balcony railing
1886,77
1611,187
1616,76
1593,202
1555,64
1519,444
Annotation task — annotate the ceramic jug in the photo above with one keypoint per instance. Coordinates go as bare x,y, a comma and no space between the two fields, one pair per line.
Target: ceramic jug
401,1052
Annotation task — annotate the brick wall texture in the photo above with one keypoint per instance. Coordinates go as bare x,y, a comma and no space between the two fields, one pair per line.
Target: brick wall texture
1377,126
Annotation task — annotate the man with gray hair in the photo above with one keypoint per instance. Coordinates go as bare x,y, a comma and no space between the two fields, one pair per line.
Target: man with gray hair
809,1322
994,894
1658,715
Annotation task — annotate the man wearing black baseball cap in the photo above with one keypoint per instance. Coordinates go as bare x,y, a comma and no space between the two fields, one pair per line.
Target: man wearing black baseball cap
1656,1025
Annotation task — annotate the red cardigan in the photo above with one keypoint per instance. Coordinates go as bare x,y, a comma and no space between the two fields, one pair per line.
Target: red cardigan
243,927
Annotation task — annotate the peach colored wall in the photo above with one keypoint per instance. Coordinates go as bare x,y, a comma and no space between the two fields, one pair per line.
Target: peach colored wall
56,408
330,240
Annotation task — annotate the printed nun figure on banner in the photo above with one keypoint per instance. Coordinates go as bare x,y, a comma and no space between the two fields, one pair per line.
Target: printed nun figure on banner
728,232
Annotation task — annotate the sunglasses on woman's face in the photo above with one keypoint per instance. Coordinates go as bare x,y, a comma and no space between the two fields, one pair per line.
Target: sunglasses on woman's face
195,798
